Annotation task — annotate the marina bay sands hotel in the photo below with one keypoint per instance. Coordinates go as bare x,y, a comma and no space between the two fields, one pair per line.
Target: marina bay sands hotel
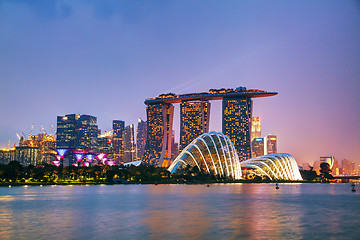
194,120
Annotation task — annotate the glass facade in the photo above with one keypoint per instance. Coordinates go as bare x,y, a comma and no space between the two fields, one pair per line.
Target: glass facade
159,133
86,131
118,140
212,153
236,122
257,147
271,144
194,120
280,166
141,138
129,144
75,131
66,131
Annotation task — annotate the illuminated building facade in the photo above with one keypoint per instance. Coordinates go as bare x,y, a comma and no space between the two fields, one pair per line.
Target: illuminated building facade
141,134
66,131
236,119
118,140
105,144
271,143
255,128
257,145
280,166
27,155
129,144
76,131
211,153
194,120
236,122
158,143
86,132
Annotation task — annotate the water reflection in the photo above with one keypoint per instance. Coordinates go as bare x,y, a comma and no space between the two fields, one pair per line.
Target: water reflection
224,211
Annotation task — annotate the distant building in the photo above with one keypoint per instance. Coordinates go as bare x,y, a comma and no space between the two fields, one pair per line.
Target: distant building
141,138
118,140
66,131
258,147
255,128
194,120
348,167
86,132
129,144
271,144
174,146
76,131
27,155
236,120
105,144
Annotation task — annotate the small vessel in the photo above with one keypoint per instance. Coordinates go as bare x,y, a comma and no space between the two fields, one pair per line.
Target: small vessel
207,185
277,186
353,187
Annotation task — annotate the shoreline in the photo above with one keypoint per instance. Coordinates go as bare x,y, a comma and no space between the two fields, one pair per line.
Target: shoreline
19,184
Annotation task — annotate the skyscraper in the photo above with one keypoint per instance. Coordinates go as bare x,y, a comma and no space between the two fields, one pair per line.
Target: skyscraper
118,140
194,120
141,138
255,128
129,144
271,143
75,131
257,147
66,131
236,122
86,131
158,143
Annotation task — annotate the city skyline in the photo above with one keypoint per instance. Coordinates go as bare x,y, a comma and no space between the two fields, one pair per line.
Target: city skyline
53,63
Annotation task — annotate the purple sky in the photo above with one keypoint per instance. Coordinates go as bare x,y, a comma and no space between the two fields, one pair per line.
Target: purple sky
104,58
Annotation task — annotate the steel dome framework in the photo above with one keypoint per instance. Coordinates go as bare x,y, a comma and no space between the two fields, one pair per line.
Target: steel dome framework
277,166
213,153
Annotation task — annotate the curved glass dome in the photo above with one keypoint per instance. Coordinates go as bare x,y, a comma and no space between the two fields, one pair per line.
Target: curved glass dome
213,153
277,166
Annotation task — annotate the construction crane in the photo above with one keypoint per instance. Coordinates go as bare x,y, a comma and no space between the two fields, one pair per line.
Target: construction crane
30,135
52,129
18,136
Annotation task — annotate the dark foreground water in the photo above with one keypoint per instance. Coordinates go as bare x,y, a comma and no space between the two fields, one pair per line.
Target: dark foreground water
229,211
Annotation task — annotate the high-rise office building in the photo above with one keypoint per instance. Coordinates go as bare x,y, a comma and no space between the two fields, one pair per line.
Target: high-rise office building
257,147
236,122
141,138
76,131
255,128
87,132
158,143
129,144
271,143
66,131
194,120
118,140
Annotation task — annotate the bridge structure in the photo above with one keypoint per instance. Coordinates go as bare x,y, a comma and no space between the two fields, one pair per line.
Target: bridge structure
237,107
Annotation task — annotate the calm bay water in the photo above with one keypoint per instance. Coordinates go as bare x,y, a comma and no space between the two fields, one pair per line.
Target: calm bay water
224,211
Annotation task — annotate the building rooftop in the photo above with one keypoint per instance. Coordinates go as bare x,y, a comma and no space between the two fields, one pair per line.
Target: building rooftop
213,94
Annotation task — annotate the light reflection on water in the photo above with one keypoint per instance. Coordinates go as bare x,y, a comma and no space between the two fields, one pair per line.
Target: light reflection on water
224,211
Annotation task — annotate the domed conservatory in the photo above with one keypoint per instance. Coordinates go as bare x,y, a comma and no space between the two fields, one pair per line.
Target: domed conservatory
212,153
215,154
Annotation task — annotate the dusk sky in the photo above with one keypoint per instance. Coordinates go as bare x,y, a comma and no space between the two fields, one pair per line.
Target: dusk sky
104,58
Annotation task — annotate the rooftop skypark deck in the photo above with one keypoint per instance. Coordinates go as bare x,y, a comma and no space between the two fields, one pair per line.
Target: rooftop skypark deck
213,94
